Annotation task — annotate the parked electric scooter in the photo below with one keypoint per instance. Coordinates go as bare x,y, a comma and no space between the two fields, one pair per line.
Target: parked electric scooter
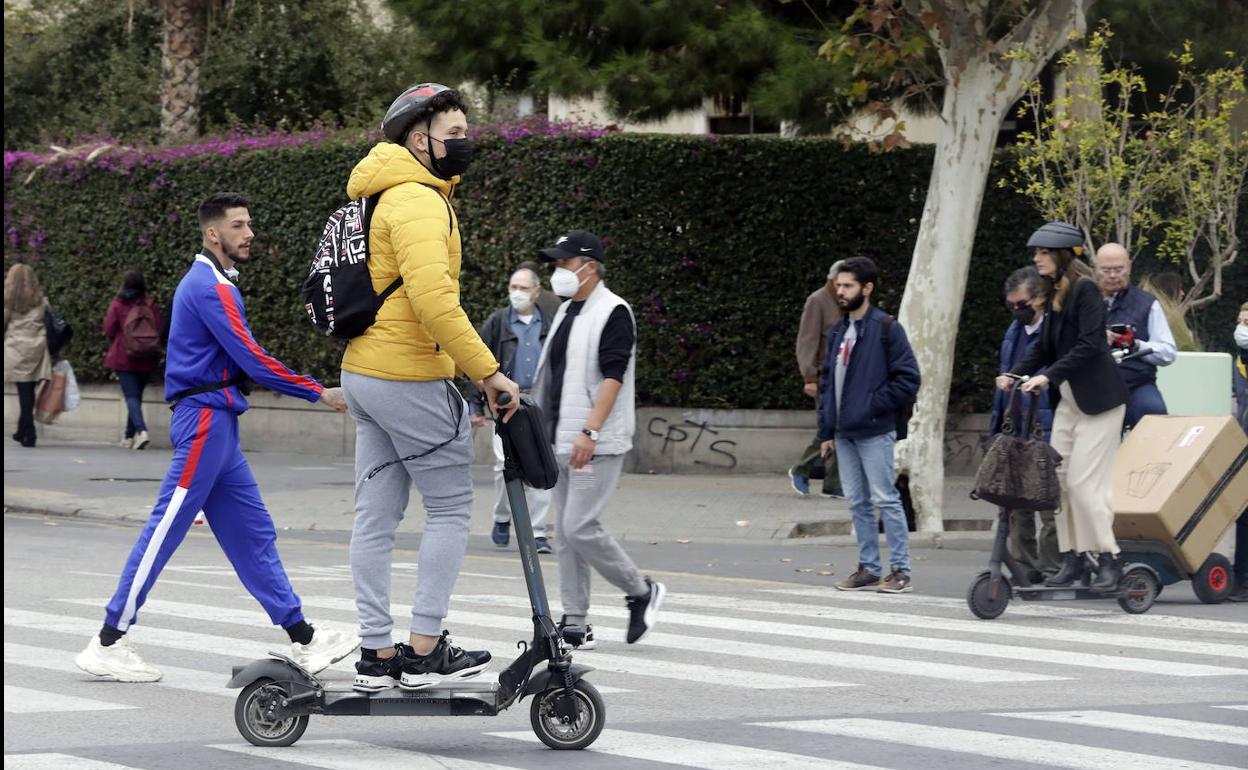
567,712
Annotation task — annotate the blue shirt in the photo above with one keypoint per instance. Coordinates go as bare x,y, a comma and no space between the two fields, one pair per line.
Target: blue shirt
528,348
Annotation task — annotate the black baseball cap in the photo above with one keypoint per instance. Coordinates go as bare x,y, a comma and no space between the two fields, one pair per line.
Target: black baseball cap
574,243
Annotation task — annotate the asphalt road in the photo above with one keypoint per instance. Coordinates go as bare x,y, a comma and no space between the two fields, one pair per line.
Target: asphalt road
756,663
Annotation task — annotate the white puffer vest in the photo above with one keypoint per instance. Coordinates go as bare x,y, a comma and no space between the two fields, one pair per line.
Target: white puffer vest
582,378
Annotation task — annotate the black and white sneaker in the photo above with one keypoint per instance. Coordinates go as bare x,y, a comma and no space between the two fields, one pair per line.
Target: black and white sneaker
643,609
374,674
445,663
578,637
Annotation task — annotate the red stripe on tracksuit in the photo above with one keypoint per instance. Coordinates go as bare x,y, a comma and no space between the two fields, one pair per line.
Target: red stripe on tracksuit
197,448
240,330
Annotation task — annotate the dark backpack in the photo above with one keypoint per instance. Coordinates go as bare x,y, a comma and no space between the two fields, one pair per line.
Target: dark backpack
59,332
140,336
906,410
338,292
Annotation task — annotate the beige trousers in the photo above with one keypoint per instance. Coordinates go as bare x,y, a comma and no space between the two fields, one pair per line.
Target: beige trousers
1087,444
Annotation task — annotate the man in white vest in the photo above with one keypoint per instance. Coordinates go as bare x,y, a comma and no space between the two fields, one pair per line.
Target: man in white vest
585,388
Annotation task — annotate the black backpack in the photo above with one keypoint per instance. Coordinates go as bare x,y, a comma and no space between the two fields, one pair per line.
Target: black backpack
906,410
338,292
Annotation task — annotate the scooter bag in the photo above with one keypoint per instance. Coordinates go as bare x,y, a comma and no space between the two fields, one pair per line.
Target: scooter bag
526,445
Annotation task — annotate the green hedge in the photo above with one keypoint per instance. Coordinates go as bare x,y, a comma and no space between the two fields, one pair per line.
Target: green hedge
715,241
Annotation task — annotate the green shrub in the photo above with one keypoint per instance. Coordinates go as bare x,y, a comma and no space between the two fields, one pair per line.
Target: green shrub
715,241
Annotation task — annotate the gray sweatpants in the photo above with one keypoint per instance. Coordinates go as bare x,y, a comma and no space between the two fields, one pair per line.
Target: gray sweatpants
583,544
394,420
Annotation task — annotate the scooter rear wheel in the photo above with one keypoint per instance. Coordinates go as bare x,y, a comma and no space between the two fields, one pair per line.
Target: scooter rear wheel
256,718
1139,590
980,598
577,733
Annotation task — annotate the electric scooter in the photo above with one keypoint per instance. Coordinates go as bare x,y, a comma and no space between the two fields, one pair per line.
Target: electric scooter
567,712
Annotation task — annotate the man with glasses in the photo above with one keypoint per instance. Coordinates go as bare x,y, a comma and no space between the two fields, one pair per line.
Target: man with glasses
1138,332
515,334
1024,299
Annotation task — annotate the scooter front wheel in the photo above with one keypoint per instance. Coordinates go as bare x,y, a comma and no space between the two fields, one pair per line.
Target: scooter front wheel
985,602
568,721
1139,590
260,718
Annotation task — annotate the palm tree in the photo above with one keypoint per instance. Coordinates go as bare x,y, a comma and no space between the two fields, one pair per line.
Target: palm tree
181,54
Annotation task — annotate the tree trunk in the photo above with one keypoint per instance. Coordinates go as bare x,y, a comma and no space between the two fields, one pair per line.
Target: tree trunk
181,50
974,105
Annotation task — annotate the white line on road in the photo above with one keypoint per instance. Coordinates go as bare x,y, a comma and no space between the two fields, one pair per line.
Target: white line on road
57,762
1153,621
922,623
1233,708
751,626
690,753
725,676
1136,723
189,679
1000,746
354,755
24,700
165,581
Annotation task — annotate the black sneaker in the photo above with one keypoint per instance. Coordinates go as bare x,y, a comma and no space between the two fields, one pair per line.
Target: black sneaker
501,534
643,609
445,663
374,674
578,637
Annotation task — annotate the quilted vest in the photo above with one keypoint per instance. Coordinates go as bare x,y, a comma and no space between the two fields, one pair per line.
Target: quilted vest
1132,307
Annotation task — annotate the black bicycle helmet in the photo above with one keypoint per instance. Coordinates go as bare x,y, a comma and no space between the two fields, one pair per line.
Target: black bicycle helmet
1057,235
405,110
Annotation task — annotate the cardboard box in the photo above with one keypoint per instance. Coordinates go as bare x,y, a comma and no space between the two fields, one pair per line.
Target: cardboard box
1181,481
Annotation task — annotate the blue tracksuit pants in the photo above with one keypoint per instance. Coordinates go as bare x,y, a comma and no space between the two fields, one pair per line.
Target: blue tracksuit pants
208,472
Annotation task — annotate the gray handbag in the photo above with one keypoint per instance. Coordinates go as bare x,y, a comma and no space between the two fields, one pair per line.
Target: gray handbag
1019,470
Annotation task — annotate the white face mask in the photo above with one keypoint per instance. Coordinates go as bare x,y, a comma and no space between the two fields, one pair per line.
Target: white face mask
1241,336
232,274
565,283
521,300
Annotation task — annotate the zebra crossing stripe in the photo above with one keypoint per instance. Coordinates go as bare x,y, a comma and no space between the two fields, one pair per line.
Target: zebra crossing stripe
57,762
354,755
163,581
997,745
23,700
691,753
693,672
1137,723
1111,614
1233,708
175,678
1030,655
928,622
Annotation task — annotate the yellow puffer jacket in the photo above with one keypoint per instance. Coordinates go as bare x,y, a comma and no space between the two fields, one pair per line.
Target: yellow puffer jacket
421,332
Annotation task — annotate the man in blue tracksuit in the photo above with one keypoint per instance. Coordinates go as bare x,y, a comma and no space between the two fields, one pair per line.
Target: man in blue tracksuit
869,374
211,351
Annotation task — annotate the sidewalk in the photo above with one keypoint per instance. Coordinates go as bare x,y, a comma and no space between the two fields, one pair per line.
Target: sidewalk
308,492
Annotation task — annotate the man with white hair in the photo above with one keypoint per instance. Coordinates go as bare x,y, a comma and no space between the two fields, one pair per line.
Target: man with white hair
1137,330
819,315
515,334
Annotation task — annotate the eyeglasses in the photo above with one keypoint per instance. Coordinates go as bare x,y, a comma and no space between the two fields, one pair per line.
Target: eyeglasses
1111,270
1022,303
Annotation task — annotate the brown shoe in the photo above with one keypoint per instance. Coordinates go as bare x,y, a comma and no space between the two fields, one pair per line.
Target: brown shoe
860,580
897,582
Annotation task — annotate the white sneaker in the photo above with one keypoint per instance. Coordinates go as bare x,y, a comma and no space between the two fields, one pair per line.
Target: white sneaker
327,647
118,662
141,440
126,443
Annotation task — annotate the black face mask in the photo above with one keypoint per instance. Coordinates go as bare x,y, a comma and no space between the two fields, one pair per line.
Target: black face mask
1024,315
458,157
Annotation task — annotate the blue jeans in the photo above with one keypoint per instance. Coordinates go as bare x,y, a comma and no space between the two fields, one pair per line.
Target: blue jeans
132,385
867,475
1143,400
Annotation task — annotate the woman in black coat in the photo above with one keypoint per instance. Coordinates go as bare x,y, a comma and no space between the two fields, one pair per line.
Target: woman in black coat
1072,357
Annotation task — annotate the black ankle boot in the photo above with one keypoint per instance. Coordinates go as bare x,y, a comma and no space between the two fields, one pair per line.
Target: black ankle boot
1108,573
1071,571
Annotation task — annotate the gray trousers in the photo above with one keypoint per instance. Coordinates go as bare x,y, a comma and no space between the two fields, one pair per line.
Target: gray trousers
538,499
394,420
583,544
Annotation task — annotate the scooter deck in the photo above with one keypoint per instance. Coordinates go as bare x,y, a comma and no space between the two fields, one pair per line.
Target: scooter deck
466,698
1049,594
